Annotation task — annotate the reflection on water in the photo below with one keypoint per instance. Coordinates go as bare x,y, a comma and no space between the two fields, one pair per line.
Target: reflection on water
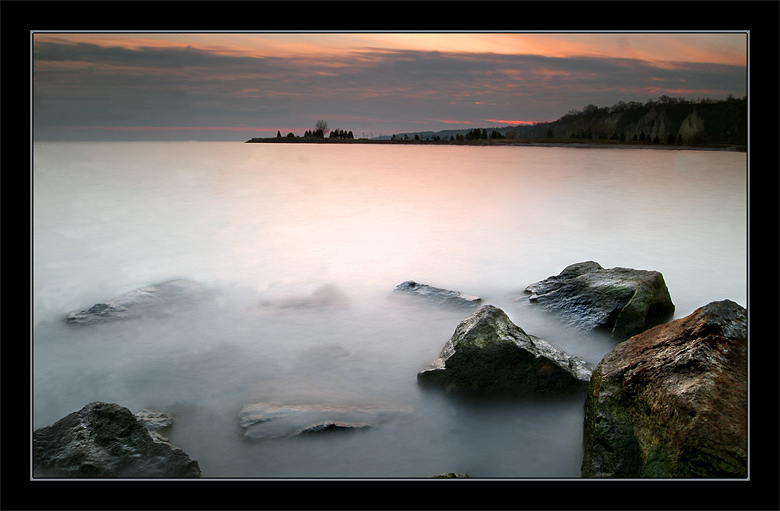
301,248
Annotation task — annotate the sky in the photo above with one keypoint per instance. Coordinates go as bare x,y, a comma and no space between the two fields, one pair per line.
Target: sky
235,86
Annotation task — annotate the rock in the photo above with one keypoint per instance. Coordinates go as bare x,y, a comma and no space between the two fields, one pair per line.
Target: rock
625,300
439,296
98,312
327,426
489,353
148,299
273,420
672,401
326,295
106,440
450,475
154,421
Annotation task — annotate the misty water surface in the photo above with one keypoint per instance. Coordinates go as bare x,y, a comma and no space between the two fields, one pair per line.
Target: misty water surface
263,228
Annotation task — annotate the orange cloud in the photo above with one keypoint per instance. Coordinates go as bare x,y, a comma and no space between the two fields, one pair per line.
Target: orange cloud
722,48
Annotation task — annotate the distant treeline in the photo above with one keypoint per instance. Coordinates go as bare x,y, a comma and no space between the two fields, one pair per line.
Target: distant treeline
668,120
320,130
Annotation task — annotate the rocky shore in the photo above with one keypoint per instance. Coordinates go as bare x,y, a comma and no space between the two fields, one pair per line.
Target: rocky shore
669,401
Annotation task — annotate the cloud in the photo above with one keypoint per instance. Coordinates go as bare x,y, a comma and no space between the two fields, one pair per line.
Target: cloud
79,83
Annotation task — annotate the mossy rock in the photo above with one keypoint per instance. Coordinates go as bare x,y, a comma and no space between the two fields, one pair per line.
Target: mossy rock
624,300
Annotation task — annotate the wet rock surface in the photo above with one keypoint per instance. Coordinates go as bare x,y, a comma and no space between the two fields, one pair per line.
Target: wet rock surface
106,440
154,421
266,420
438,295
672,401
304,297
148,300
489,353
624,300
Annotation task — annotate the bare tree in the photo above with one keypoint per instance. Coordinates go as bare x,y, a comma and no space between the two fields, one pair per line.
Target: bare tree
322,125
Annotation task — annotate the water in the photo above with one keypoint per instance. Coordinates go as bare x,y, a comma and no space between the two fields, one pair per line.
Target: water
263,227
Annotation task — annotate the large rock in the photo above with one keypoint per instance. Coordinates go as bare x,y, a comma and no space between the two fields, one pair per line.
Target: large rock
489,353
438,295
152,299
106,440
625,300
672,401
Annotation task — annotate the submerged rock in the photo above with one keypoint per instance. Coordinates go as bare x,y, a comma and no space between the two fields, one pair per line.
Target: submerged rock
672,401
146,300
272,420
625,300
106,440
328,426
489,353
98,312
439,296
154,421
302,297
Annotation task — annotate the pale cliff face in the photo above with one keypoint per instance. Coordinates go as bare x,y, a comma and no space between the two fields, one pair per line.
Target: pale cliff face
692,125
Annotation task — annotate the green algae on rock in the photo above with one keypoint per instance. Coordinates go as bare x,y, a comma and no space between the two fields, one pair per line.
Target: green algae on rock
489,353
625,300
672,401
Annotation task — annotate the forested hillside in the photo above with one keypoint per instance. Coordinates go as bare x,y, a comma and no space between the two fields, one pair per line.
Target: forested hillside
666,121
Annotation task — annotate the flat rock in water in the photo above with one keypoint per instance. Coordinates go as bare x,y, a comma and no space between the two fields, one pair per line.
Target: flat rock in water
439,296
625,300
106,440
272,420
489,353
672,401
305,297
327,426
154,420
153,299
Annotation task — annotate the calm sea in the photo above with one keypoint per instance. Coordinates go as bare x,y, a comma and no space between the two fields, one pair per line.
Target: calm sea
298,249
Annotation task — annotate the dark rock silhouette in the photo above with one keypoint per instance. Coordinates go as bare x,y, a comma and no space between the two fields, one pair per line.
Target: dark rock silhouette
489,353
106,440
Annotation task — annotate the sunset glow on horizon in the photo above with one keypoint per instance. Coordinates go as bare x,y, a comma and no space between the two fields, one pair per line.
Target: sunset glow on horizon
380,83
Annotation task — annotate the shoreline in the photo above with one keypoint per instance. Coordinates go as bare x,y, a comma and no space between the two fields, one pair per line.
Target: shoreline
502,142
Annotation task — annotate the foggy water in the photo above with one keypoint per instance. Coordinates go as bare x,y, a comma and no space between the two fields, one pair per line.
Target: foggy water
297,249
